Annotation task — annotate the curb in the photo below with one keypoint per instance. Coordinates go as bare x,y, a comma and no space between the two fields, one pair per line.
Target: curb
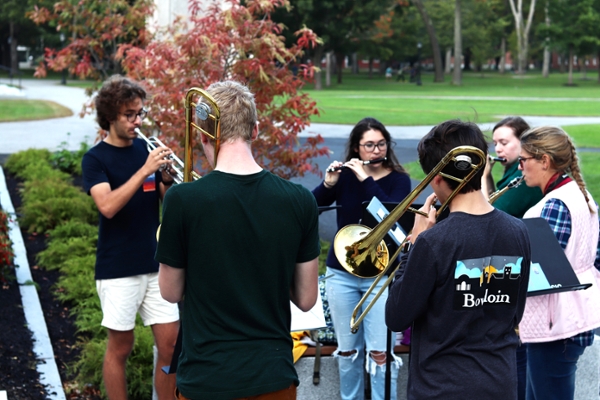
46,366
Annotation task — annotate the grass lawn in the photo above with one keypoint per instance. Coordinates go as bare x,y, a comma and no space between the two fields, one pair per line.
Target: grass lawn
26,110
479,99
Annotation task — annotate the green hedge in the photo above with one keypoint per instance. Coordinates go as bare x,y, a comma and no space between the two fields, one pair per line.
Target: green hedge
52,205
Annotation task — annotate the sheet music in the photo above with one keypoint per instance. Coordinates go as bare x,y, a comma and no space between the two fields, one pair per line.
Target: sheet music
312,319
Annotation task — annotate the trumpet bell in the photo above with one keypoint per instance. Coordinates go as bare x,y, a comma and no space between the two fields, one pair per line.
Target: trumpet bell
361,261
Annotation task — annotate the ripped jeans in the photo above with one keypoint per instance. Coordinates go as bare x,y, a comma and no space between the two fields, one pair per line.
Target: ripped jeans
343,293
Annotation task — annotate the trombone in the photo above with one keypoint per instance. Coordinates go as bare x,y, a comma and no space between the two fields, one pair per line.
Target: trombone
205,109
362,251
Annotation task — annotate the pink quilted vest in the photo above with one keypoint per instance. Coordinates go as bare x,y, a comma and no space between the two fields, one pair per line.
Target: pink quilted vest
563,315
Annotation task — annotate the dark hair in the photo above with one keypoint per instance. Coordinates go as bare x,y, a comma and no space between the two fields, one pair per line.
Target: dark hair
445,137
517,124
116,91
364,125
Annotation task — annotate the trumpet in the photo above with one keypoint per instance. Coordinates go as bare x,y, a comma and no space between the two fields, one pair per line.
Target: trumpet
366,162
362,251
152,142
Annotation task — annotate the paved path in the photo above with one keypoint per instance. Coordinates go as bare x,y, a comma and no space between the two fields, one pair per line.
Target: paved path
51,133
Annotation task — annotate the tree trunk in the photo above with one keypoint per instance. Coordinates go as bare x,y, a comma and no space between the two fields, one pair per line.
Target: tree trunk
467,59
546,65
316,60
14,59
328,69
570,81
457,78
339,60
522,31
502,66
598,64
448,60
354,63
433,40
370,67
582,60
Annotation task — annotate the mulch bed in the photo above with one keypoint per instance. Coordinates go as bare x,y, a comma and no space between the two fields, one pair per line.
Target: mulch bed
18,374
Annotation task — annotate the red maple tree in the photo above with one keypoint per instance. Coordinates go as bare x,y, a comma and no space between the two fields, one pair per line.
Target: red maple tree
236,42
94,30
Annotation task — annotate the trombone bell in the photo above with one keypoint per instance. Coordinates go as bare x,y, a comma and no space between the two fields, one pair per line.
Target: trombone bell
360,261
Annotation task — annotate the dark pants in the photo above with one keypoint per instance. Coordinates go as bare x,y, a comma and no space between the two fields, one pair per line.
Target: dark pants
284,394
551,369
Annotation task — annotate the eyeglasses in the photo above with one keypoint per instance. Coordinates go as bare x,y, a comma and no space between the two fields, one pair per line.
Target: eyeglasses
132,116
522,160
370,146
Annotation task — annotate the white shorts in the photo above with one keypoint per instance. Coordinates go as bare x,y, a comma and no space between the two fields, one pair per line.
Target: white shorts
122,298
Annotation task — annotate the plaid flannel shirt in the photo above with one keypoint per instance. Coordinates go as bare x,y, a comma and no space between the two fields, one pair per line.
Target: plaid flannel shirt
559,218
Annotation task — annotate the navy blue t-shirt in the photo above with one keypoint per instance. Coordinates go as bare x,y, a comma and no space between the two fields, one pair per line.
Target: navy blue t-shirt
126,242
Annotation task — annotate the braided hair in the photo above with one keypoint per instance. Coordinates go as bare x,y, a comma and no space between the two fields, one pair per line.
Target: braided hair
559,147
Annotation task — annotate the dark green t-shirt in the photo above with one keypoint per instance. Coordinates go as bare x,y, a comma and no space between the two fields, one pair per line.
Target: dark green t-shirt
517,200
238,237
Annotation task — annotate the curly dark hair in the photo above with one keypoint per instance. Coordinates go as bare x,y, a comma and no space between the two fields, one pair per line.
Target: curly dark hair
446,136
116,91
356,135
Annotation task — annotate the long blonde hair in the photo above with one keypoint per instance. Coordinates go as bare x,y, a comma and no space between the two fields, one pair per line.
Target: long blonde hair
559,147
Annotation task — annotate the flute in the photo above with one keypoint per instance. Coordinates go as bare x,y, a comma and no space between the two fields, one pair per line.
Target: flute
498,159
366,162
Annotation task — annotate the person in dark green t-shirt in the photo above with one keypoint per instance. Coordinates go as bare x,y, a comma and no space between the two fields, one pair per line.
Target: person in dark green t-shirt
238,245
507,144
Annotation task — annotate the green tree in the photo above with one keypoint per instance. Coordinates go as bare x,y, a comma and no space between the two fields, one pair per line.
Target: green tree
433,41
341,24
573,28
15,29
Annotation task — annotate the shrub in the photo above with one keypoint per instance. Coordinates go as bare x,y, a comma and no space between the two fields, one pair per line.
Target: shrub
48,203
68,161
17,162
73,229
139,365
62,250
42,215
41,171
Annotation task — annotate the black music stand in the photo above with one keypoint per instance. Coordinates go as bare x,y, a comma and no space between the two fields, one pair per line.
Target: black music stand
550,270
373,213
327,208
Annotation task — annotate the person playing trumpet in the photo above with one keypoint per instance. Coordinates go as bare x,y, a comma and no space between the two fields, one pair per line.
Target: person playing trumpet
124,181
349,187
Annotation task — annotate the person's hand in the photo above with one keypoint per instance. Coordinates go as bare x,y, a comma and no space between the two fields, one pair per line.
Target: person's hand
487,171
423,223
158,158
357,167
168,175
333,174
